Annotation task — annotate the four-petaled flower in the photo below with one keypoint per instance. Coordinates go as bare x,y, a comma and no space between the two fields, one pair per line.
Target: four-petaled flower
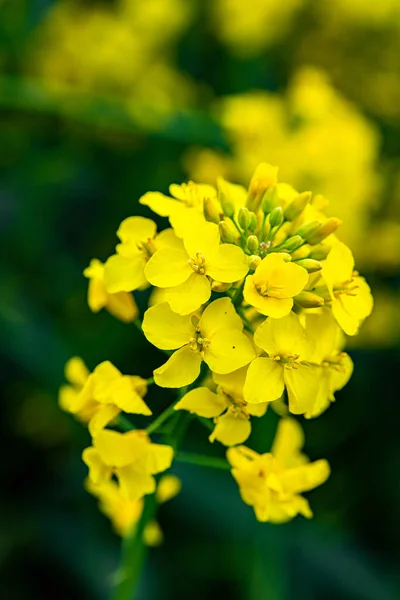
216,337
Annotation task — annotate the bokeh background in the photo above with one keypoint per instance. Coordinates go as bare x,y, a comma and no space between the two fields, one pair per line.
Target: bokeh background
102,101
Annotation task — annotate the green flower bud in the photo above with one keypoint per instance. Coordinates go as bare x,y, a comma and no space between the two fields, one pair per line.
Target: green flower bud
252,243
244,217
296,207
319,252
270,199
253,221
308,300
310,265
228,207
228,232
308,229
293,243
328,227
210,211
276,217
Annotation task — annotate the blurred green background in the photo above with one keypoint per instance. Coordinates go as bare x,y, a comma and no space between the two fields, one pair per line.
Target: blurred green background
102,101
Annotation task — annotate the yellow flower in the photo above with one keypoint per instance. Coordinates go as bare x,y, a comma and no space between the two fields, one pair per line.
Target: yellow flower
103,394
130,457
185,271
124,514
217,338
351,296
336,367
76,373
287,346
124,271
274,283
121,304
227,407
272,483
184,208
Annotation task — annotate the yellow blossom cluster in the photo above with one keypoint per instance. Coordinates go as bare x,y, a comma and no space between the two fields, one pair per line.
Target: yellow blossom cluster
129,51
252,295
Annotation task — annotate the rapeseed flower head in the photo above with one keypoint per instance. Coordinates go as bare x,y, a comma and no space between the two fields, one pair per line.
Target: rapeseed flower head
350,294
187,270
216,337
273,285
131,458
102,395
272,483
228,408
120,304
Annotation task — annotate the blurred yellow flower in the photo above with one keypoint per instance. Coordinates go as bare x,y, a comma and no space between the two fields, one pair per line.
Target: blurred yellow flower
272,483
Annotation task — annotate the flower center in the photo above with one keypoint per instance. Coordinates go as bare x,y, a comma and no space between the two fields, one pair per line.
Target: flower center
147,248
198,343
349,288
198,264
289,361
266,289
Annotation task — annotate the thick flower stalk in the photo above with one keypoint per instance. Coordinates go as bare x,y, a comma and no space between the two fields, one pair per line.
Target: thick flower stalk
253,294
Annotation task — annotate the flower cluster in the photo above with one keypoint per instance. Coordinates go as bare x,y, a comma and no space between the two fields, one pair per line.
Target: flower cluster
252,295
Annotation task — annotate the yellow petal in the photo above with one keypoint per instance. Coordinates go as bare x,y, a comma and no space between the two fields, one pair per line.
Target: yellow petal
168,267
159,457
203,402
168,239
285,279
228,351
123,274
231,429
283,337
120,449
169,486
97,296
220,315
232,383
184,218
103,416
302,387
98,471
266,305
134,483
189,295
339,265
165,329
181,369
228,264
306,477
288,442
159,203
136,230
264,381
122,305
257,410
202,238
241,457
76,371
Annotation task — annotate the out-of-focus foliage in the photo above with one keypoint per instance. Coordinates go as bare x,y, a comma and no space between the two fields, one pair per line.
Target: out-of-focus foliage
102,101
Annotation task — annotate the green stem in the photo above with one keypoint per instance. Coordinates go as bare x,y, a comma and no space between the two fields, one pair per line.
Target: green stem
150,381
124,423
240,232
261,236
202,461
170,410
133,553
207,423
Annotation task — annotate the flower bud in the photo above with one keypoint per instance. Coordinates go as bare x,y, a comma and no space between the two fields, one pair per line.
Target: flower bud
244,217
252,243
293,243
263,178
253,221
308,300
228,208
296,207
301,252
319,252
270,200
310,265
328,227
210,210
228,232
254,261
276,217
308,229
